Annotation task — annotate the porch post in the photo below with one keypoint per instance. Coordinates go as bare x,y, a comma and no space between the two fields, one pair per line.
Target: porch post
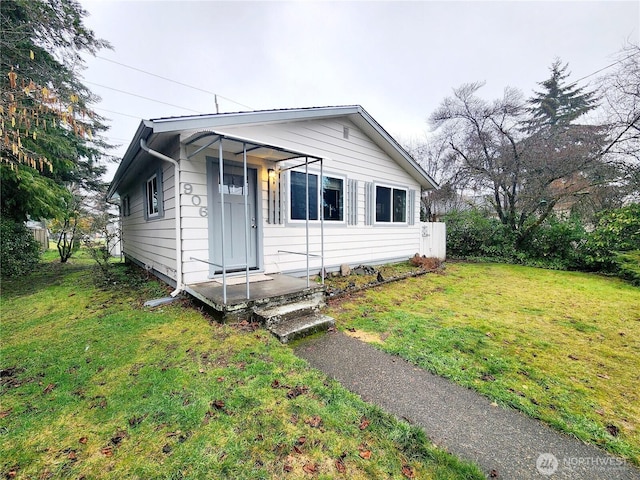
306,174
322,221
247,227
221,187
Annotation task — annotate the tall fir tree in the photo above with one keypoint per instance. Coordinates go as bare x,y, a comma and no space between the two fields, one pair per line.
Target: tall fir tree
49,132
559,103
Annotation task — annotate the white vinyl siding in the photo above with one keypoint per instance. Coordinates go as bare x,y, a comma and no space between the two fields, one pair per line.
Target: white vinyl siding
151,243
360,162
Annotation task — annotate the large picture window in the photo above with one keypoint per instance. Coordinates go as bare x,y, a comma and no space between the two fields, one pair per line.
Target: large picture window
391,204
332,197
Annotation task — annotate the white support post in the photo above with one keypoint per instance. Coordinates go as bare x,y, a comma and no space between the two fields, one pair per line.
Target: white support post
222,250
247,227
306,174
322,221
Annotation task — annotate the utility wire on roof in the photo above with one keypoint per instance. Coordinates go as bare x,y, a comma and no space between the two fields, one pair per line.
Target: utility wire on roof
174,81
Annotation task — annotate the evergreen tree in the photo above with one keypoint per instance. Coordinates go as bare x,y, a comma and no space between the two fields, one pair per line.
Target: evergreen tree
49,133
559,103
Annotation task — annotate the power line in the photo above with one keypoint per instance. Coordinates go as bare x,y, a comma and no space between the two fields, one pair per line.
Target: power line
173,81
604,68
143,97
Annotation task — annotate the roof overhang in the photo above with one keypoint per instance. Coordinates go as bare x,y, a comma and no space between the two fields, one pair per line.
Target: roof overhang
199,130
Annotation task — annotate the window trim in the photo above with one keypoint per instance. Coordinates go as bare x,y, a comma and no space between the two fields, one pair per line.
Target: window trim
320,207
148,215
391,222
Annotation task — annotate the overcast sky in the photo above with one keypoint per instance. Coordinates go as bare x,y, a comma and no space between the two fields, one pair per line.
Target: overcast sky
396,59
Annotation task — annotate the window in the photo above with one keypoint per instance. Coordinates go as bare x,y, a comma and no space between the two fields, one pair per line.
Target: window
126,206
299,200
391,205
332,197
153,196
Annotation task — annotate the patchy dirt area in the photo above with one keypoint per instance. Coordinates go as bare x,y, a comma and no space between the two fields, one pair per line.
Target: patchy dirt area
368,337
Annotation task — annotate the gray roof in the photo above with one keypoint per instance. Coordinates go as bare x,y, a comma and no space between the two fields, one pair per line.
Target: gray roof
355,113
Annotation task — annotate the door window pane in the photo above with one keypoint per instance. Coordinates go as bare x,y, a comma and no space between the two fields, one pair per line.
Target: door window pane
233,180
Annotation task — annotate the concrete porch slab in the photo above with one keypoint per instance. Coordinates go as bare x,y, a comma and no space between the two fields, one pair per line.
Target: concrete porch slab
277,291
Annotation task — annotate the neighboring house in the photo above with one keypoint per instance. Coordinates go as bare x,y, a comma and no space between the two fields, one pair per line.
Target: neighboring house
324,186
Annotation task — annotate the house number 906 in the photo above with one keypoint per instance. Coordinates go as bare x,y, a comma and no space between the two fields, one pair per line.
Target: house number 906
195,199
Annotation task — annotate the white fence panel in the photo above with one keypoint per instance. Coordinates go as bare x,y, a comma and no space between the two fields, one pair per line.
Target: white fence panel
434,240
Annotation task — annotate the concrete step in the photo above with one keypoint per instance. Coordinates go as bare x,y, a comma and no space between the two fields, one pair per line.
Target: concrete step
297,327
275,314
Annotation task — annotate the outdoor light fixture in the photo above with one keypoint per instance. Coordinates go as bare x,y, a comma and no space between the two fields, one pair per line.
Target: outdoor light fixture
272,173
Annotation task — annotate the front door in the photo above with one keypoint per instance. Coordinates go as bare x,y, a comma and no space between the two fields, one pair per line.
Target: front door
235,220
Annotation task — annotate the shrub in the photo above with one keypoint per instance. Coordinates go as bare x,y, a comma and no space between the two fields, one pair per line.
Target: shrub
629,266
617,231
471,233
19,250
555,244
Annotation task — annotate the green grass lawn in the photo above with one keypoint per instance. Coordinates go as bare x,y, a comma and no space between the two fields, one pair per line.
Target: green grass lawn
93,385
560,346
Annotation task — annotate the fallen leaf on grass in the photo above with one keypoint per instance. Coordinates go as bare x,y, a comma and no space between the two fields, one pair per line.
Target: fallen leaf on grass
408,472
135,421
49,388
5,413
107,451
218,404
314,421
613,430
310,468
301,440
297,391
118,437
340,466
166,449
573,357
366,454
364,423
83,440
603,375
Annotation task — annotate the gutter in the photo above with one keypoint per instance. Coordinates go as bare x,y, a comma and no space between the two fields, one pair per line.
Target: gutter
176,179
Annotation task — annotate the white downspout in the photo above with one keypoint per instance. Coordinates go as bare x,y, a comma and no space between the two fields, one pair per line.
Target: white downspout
176,179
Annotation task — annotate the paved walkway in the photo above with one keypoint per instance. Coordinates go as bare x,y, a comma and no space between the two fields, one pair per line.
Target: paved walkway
457,419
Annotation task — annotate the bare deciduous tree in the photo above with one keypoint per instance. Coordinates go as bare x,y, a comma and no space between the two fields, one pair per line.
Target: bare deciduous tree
526,176
620,94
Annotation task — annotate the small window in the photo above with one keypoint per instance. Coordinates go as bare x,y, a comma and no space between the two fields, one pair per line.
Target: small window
391,205
332,197
299,200
126,206
153,196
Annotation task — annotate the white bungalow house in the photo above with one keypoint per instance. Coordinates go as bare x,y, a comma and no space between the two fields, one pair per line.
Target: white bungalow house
293,191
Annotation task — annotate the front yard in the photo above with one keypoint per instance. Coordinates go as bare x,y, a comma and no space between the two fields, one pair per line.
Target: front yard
560,346
93,385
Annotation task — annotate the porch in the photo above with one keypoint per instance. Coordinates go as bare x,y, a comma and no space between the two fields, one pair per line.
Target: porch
263,292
